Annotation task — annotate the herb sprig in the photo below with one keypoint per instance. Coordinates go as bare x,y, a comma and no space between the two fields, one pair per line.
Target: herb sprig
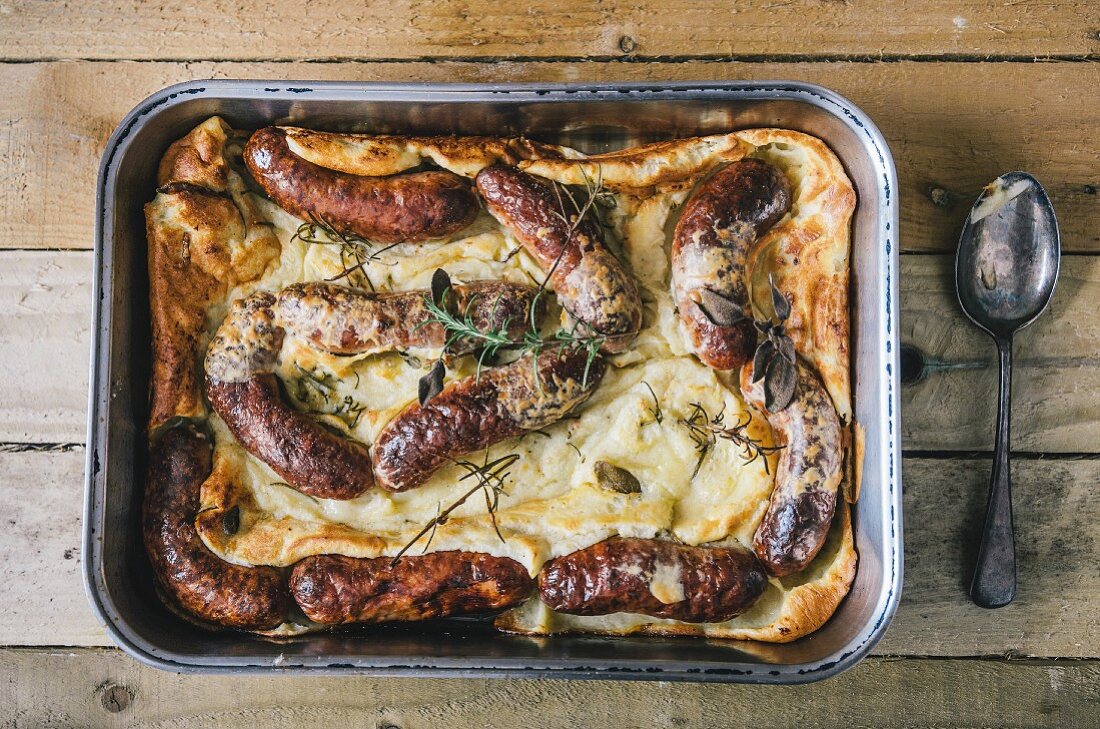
490,481
706,430
356,253
775,360
317,390
494,342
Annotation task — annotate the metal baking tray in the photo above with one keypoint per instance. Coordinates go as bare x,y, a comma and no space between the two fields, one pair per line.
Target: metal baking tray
592,118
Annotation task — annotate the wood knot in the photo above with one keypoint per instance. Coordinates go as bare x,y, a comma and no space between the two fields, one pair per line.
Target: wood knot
940,197
115,698
627,44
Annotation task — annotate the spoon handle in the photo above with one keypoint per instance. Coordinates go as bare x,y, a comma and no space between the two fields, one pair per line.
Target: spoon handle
994,582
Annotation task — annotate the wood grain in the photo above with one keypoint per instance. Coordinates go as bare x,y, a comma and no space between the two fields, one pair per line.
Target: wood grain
1056,389
1055,613
47,295
334,30
45,688
948,138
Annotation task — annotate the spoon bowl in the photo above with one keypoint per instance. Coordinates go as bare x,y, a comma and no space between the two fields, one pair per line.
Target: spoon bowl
1007,262
1005,271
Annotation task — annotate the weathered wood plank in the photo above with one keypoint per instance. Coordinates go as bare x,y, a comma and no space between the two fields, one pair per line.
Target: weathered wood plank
1055,613
99,687
39,29
45,334
47,294
1056,390
949,138
40,558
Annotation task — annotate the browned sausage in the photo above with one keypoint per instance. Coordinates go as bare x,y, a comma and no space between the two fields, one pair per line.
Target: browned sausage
332,589
312,459
408,207
341,320
718,226
653,577
252,598
243,391
810,469
591,284
478,411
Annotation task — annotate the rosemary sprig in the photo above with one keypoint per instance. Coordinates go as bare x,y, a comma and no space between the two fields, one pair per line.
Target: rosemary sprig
490,477
706,430
356,253
493,342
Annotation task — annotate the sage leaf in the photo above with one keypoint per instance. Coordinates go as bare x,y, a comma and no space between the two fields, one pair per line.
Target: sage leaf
616,479
780,304
441,284
764,354
786,348
779,384
718,309
431,384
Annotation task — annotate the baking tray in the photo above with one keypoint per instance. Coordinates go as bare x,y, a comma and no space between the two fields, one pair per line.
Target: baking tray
593,118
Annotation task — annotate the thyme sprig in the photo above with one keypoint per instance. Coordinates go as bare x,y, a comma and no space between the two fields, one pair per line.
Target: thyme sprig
356,253
706,430
655,411
490,481
317,391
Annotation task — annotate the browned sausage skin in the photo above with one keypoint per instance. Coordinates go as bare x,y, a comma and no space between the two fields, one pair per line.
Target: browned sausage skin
243,391
796,523
251,598
311,459
591,284
408,207
240,365
478,411
653,577
718,226
341,320
333,589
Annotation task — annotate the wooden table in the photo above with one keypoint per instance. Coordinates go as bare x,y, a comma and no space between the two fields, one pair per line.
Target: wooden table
963,90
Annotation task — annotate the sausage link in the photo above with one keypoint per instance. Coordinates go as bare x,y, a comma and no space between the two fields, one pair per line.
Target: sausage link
311,458
710,247
252,598
333,589
653,577
408,207
591,284
810,468
341,320
480,410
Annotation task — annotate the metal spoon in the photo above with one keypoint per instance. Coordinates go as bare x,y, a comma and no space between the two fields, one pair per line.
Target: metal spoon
1005,271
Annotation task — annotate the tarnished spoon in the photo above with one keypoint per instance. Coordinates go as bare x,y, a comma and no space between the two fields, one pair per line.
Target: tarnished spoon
1005,271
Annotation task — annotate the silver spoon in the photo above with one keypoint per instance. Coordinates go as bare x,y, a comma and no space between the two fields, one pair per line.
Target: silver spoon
1005,271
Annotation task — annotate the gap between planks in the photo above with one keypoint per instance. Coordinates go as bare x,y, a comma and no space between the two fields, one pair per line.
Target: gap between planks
952,129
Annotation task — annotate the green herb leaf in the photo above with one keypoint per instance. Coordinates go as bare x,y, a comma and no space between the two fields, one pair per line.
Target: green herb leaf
431,384
616,479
